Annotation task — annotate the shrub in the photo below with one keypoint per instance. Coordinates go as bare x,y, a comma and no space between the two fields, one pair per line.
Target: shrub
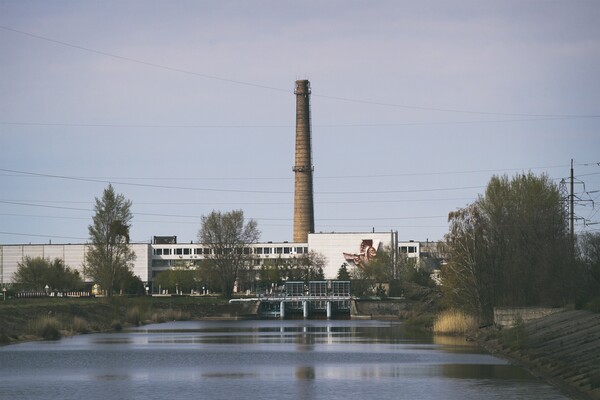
47,327
80,325
132,316
116,325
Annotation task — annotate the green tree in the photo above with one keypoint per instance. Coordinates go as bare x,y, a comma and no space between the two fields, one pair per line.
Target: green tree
308,267
270,272
181,276
37,272
109,257
228,235
343,274
509,248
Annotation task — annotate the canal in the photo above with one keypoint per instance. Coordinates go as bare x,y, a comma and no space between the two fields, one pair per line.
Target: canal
289,359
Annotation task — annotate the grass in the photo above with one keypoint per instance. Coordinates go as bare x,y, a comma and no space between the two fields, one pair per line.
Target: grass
52,318
46,327
454,322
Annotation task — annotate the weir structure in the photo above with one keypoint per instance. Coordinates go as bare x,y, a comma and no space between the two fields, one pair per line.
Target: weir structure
327,298
304,220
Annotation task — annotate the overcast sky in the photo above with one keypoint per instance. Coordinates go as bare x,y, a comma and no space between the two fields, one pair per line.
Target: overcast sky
188,107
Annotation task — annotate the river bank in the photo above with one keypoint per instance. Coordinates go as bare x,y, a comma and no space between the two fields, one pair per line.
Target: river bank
562,348
52,318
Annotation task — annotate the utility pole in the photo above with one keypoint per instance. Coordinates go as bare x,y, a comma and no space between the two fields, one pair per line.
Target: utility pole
572,208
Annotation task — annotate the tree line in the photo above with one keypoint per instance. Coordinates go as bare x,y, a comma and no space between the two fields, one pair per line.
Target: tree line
510,247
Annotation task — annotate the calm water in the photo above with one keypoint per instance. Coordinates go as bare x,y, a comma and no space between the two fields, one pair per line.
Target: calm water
262,359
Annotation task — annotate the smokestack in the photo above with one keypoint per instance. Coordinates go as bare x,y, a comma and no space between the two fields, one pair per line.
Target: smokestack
304,220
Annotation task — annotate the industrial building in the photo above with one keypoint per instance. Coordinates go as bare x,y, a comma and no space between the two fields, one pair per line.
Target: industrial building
153,258
164,252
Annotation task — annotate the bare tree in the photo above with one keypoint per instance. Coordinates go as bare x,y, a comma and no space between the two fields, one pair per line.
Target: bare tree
228,235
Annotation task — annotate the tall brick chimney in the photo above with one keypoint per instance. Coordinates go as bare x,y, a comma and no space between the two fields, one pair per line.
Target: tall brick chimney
304,219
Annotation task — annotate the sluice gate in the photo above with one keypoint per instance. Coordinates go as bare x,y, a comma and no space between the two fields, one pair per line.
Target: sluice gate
312,299
307,299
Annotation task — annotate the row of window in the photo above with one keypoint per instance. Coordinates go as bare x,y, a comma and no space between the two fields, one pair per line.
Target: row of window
186,251
408,249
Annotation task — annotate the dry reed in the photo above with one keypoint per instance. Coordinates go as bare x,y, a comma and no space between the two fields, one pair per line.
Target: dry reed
454,322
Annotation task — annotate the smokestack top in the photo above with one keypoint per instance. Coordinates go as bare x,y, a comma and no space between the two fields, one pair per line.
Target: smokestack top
302,87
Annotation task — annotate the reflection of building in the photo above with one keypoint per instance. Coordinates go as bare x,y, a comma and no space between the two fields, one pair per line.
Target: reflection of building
163,253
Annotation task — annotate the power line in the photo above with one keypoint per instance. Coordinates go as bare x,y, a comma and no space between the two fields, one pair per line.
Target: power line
268,203
200,216
232,190
146,63
369,176
287,126
251,84
46,236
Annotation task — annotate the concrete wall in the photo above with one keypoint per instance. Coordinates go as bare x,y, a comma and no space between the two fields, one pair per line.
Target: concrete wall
507,316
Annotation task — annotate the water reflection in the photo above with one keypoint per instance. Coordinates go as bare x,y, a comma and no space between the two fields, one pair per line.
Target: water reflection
468,371
250,359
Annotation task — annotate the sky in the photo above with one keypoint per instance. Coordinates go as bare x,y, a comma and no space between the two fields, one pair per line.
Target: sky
186,107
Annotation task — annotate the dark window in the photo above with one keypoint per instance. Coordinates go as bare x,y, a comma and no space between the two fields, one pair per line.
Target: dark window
178,251
258,250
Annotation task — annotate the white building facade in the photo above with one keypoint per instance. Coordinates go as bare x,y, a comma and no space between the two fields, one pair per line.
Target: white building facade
151,259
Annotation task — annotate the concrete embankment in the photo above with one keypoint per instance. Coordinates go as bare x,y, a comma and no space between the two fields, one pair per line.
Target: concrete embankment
563,348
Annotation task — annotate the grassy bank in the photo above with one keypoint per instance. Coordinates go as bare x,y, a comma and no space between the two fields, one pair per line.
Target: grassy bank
52,318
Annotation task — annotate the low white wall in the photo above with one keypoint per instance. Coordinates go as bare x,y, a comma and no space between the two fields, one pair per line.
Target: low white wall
506,317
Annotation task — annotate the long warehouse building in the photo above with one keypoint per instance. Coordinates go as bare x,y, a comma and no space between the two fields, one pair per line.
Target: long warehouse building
161,255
